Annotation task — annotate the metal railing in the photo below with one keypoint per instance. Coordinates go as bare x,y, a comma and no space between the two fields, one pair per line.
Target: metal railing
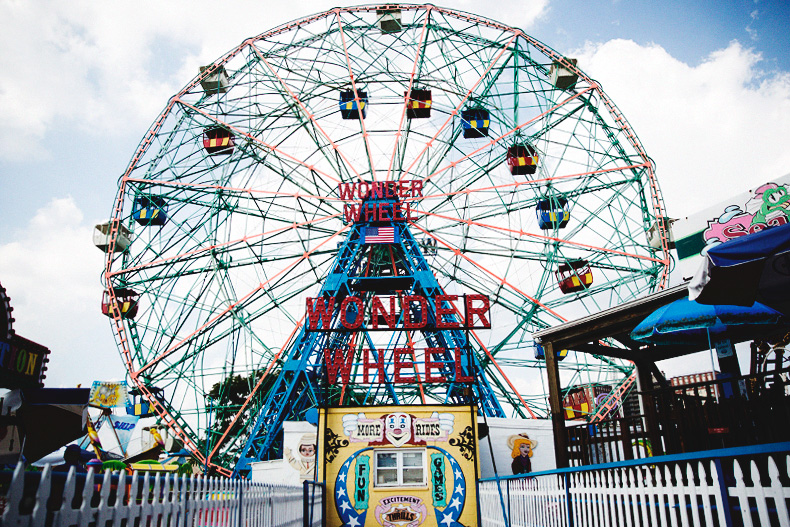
59,499
736,486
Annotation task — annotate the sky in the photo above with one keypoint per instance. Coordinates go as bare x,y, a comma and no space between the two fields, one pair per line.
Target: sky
705,84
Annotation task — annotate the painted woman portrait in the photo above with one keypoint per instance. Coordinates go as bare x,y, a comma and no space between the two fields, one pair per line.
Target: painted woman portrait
521,447
305,463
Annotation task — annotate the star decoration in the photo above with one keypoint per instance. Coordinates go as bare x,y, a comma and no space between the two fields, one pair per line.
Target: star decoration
447,518
456,503
341,492
345,506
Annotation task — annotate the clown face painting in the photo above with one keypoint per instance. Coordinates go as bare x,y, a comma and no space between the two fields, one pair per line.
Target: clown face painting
397,428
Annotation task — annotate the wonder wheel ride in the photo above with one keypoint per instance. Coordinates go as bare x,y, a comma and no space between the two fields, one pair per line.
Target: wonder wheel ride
531,189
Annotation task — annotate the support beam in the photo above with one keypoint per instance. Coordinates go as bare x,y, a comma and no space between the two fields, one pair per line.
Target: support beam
555,406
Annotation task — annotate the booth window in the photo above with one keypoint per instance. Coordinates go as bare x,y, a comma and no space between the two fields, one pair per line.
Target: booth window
395,468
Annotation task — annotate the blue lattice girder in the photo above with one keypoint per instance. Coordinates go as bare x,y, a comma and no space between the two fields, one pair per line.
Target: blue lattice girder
298,386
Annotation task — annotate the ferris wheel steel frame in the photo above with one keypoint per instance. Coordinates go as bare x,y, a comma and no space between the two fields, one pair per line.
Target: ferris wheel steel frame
345,169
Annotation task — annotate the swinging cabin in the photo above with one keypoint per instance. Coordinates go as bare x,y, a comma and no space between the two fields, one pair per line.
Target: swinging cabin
102,235
349,109
419,104
126,303
475,123
150,210
137,405
522,159
553,213
574,276
218,141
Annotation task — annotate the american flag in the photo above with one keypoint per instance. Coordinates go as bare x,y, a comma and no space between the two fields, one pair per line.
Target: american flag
379,235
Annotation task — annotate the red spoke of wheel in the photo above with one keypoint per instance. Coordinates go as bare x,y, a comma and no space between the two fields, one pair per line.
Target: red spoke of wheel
406,96
245,239
356,95
495,141
310,115
257,386
231,307
542,237
460,104
264,144
495,363
501,280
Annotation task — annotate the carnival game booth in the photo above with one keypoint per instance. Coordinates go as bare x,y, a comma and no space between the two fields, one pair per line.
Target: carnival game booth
732,410
399,465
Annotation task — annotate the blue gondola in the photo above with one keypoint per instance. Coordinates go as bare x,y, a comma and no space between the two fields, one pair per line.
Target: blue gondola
150,210
475,123
552,213
540,354
137,405
349,109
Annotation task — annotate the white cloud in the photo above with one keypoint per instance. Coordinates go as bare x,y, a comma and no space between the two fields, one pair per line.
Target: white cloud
52,274
106,67
714,130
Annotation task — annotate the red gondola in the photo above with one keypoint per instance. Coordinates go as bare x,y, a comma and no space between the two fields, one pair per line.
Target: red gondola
218,141
126,303
574,276
419,104
522,159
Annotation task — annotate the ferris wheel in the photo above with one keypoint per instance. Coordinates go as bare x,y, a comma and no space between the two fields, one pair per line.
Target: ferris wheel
534,191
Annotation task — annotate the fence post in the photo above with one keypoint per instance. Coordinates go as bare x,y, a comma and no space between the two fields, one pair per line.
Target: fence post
569,505
241,503
725,494
305,504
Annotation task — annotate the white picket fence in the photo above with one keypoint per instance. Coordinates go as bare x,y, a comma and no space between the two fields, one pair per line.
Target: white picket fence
691,494
156,500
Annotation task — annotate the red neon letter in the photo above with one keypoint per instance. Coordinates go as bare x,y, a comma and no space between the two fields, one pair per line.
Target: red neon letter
459,373
358,316
399,365
346,191
441,310
334,361
377,307
479,311
407,313
319,311
378,366
351,212
431,364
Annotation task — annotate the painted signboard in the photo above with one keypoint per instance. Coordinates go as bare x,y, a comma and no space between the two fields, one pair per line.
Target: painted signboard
400,466
758,209
108,394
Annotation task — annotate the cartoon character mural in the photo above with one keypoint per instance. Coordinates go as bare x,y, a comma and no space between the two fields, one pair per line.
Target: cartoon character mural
402,466
521,447
768,207
305,463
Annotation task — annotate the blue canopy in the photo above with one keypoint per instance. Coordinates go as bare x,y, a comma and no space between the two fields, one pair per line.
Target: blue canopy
687,322
753,268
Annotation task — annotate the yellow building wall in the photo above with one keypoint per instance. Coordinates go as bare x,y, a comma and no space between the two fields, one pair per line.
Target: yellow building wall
446,437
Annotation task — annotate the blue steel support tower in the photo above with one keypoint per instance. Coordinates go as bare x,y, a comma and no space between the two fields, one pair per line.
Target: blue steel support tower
363,270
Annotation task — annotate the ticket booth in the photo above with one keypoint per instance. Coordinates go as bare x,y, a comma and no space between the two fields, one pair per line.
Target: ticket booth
392,466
